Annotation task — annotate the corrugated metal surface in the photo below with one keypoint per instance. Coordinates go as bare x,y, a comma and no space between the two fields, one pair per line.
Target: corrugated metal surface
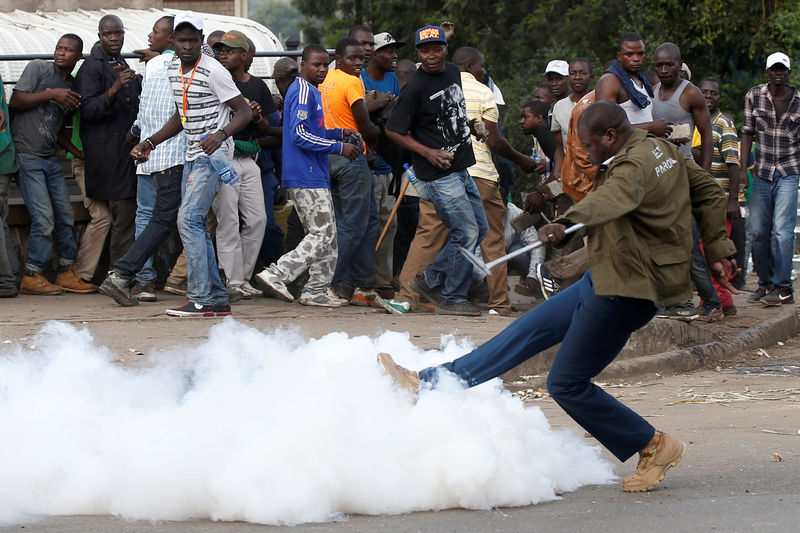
22,32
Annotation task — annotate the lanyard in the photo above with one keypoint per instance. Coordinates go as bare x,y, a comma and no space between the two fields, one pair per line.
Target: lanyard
186,87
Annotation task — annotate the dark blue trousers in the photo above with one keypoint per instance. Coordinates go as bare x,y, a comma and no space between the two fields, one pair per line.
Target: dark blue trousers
592,330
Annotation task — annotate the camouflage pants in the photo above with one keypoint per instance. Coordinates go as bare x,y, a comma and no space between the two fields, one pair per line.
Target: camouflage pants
318,250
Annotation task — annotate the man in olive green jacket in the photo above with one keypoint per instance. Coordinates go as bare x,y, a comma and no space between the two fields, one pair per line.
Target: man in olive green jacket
640,242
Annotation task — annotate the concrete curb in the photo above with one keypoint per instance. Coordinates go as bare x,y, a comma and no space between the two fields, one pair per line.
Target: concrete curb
766,333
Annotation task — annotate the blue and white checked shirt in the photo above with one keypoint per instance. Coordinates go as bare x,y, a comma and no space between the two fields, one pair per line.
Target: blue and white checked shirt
156,107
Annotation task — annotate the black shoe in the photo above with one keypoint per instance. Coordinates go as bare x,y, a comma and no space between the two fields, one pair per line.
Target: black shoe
175,288
419,286
144,292
460,309
193,309
118,288
758,294
222,310
8,292
778,296
234,295
709,313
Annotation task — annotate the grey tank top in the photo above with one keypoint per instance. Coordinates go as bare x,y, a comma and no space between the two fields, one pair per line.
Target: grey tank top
672,111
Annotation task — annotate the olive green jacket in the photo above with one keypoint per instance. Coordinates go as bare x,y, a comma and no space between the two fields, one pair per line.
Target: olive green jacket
639,221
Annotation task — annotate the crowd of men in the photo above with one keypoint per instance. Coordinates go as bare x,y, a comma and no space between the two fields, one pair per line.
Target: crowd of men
361,147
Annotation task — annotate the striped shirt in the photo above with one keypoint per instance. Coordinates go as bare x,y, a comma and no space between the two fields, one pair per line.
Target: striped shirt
306,140
777,142
156,107
726,148
206,110
481,105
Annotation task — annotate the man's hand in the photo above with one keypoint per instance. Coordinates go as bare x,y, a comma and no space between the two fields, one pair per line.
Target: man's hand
3,121
661,128
346,132
66,97
256,108
439,158
141,152
210,143
124,79
278,101
528,165
724,271
449,29
732,209
478,129
146,54
130,139
535,202
350,151
552,233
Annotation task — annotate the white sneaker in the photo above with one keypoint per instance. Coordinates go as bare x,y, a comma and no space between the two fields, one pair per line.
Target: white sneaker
238,289
250,290
320,299
274,285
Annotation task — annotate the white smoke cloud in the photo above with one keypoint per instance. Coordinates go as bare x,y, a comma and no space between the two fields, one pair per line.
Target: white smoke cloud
269,428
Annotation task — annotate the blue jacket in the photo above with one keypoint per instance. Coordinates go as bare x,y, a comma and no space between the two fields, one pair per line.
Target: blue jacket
306,141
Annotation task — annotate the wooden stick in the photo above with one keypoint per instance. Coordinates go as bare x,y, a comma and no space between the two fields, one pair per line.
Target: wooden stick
392,214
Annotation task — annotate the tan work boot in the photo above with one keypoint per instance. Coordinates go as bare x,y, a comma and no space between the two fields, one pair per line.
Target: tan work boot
69,280
38,284
661,454
404,378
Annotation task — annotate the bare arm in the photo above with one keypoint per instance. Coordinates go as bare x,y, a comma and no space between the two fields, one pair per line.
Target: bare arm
702,121
368,130
498,144
141,151
66,97
558,156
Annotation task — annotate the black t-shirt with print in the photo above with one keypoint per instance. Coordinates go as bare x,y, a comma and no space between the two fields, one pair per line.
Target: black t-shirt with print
255,90
432,108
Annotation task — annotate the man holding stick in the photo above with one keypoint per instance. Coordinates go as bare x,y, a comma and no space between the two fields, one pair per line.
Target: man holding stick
638,220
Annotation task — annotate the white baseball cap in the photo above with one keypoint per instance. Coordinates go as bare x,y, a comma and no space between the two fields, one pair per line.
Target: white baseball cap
778,58
188,17
559,66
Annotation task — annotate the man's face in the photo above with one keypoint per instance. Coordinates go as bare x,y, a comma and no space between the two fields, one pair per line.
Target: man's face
432,56
477,68
559,85
352,61
632,55
315,68
668,67
778,75
385,58
579,77
66,54
367,42
528,121
188,42
161,37
544,95
711,94
598,147
112,36
231,58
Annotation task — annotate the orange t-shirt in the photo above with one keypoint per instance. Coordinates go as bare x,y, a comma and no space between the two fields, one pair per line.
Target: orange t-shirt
339,92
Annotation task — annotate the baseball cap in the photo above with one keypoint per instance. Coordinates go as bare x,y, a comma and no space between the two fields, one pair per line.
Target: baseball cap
559,66
778,58
384,39
429,34
285,67
233,39
188,17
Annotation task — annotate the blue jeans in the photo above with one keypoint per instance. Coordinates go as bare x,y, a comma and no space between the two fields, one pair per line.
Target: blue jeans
47,199
145,202
163,190
199,186
460,208
773,214
357,223
592,330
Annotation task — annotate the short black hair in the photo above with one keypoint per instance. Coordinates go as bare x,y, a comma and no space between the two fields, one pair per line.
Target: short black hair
466,54
711,79
628,37
343,43
537,107
669,48
312,49
73,37
215,33
357,28
169,19
584,61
